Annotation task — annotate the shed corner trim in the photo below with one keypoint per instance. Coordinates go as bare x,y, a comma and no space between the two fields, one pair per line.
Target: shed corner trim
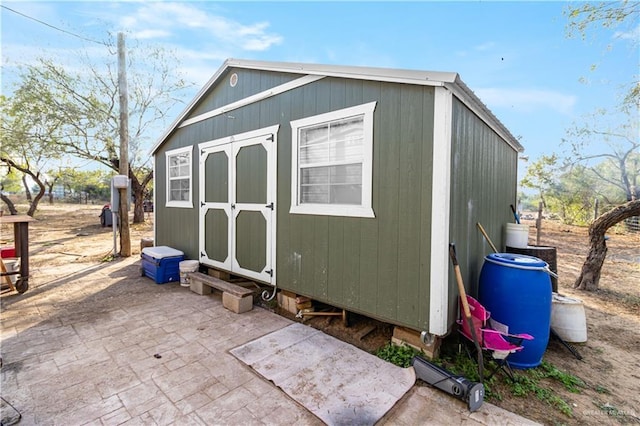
441,198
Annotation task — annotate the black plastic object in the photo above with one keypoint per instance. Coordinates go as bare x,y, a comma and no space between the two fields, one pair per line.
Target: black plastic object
460,387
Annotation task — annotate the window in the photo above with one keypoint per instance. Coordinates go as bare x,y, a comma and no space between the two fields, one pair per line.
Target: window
179,177
332,163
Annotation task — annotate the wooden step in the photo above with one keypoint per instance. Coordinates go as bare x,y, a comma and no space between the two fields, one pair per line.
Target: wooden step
219,284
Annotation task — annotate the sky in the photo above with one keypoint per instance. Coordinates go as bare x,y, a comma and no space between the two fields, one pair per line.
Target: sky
516,56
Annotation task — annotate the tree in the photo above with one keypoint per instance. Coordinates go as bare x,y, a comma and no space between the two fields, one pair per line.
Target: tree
622,15
50,183
589,278
87,104
541,175
567,191
620,151
573,196
29,135
94,183
625,154
10,183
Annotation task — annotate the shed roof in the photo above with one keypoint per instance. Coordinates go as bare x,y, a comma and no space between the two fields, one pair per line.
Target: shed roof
450,80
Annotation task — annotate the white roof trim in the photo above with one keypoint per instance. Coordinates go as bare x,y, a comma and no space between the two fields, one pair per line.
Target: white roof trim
426,78
467,97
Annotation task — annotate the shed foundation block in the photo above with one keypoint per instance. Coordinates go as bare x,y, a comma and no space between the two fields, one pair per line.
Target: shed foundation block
287,301
237,304
198,286
405,336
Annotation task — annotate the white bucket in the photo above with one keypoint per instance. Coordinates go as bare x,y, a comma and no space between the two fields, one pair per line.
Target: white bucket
517,235
568,319
187,266
12,265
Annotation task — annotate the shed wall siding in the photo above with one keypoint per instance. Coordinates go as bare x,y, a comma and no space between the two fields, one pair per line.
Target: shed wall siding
484,179
249,83
380,266
376,266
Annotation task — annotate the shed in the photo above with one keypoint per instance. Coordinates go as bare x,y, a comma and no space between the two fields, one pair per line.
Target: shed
344,184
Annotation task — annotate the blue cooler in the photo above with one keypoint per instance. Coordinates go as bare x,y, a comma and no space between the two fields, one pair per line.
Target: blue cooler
161,263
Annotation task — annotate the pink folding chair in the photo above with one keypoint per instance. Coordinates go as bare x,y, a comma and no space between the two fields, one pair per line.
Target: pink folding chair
494,342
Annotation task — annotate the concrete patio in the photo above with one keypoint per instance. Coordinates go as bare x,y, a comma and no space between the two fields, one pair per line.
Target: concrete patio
100,345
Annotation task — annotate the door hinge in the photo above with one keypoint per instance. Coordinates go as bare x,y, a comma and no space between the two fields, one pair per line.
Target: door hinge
270,272
202,203
269,206
202,254
270,138
233,206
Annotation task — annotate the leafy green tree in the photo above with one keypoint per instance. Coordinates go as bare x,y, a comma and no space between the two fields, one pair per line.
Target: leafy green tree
566,191
86,103
541,175
29,137
10,181
96,183
573,197
620,15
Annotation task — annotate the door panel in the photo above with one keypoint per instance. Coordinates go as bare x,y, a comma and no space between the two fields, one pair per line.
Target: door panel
237,205
251,175
252,208
215,209
216,222
217,169
251,240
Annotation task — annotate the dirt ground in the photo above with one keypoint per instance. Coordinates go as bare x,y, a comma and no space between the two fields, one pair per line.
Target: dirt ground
611,356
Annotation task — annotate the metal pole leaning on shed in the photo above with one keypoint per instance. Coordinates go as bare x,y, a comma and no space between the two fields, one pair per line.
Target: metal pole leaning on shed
125,238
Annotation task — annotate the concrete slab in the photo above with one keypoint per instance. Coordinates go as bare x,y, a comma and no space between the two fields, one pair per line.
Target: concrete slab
98,344
336,381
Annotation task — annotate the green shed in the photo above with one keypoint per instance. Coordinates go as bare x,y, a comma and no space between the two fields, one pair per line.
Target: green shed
344,184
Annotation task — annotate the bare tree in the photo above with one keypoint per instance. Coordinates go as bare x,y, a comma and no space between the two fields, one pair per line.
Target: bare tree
622,15
589,278
620,149
49,183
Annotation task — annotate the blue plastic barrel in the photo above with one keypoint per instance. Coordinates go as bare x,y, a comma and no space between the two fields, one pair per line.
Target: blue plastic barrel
516,289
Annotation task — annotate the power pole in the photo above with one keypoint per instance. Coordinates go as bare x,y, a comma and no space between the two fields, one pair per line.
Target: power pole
125,237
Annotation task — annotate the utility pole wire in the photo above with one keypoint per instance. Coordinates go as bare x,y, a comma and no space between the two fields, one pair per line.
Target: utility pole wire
52,26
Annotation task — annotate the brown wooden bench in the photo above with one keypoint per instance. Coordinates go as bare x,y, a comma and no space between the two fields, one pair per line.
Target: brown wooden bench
234,297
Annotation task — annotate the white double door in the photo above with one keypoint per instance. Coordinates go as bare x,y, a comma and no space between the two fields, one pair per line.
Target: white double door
237,204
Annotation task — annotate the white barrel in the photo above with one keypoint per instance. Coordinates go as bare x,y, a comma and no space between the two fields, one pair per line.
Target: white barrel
187,266
517,235
12,265
568,319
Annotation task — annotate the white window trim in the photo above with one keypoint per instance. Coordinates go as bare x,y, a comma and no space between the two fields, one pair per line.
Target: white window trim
187,203
363,210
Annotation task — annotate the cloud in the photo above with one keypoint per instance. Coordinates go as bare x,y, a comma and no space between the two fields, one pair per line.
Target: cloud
184,18
151,34
633,34
489,45
527,100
